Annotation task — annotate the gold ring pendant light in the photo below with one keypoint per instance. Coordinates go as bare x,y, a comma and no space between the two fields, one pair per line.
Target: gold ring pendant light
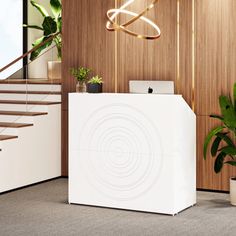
112,25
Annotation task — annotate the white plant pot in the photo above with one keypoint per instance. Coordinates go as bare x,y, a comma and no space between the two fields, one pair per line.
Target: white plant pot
233,191
54,70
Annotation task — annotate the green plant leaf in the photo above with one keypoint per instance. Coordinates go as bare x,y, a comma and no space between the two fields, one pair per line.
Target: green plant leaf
40,8
33,27
234,97
229,150
37,52
209,137
219,162
49,26
56,8
59,24
215,146
95,80
232,163
217,117
228,111
226,138
37,41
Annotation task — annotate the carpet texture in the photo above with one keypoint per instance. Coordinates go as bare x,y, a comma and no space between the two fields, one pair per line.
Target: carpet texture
43,210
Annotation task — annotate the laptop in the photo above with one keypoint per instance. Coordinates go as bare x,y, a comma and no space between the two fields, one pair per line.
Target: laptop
155,87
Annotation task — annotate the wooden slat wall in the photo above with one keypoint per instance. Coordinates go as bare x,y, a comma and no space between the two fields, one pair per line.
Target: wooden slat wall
118,60
149,60
89,44
215,75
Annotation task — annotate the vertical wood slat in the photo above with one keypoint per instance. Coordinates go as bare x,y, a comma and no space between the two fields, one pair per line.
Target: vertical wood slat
215,76
185,50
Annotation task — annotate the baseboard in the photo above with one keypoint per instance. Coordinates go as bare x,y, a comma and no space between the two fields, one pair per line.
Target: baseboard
30,185
66,177
212,191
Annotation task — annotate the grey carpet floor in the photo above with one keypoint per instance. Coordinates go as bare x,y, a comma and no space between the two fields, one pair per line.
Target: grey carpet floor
43,210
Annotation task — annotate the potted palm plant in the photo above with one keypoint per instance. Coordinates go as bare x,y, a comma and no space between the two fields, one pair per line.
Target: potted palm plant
95,85
51,25
223,147
81,75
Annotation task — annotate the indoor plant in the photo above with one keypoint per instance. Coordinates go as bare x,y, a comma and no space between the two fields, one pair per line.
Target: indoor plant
223,147
52,25
95,84
81,75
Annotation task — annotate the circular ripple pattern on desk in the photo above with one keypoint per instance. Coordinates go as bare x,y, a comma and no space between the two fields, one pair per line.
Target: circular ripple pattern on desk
123,150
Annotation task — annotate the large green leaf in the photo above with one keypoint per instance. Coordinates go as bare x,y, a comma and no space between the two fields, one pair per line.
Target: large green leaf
49,26
219,162
229,150
37,52
209,137
33,27
226,138
217,117
232,163
228,111
215,146
56,8
40,8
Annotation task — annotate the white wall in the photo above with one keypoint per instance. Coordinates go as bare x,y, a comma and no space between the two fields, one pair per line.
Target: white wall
38,68
11,35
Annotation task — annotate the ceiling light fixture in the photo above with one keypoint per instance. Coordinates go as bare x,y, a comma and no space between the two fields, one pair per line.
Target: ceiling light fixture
112,25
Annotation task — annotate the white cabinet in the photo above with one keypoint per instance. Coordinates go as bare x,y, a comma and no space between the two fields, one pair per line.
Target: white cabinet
132,151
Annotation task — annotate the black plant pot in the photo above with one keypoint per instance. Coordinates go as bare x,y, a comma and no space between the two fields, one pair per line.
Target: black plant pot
94,88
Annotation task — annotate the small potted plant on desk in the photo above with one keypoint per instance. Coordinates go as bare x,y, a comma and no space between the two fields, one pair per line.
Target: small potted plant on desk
81,75
95,85
224,146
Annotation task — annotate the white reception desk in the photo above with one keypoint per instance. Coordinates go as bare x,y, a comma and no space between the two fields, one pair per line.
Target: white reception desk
132,151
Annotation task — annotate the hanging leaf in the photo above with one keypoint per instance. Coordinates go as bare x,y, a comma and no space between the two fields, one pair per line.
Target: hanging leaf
219,162
49,26
215,146
226,138
56,8
217,117
209,137
40,8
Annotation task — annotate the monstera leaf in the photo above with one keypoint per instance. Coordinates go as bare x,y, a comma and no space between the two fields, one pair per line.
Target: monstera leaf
224,134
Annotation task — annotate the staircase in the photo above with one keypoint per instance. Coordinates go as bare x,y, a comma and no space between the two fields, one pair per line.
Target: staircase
30,132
